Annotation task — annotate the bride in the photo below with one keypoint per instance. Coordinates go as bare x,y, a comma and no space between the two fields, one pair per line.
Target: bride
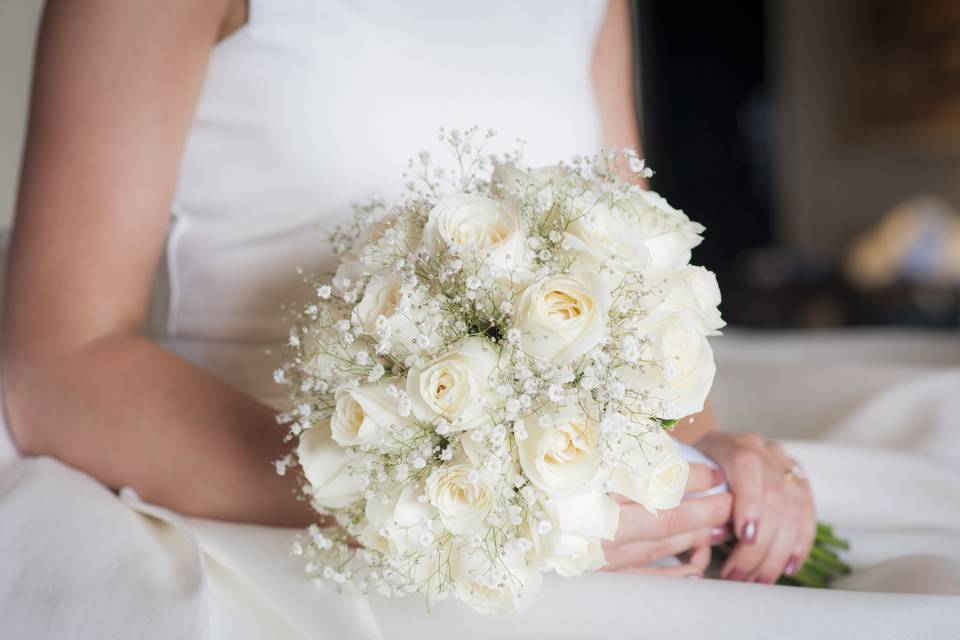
218,140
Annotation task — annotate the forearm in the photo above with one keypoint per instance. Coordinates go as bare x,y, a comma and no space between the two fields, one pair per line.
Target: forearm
131,413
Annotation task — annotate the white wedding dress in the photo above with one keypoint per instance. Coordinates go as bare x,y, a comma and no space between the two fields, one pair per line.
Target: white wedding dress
313,105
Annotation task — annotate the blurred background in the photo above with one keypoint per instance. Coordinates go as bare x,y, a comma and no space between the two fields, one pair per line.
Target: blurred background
818,141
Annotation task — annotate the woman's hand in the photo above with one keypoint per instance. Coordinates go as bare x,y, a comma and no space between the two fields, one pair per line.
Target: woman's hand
695,525
773,514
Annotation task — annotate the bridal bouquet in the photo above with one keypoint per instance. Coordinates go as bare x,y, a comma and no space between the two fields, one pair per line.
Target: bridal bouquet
493,356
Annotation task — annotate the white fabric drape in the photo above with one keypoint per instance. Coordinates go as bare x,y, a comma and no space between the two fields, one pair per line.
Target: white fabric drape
882,452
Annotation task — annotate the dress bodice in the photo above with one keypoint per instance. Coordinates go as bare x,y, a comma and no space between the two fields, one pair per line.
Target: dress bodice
314,105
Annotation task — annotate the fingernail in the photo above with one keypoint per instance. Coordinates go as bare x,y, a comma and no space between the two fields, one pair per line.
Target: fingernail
737,575
694,576
716,477
791,567
719,534
749,532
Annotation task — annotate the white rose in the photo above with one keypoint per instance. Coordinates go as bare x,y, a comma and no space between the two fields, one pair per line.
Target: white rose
366,415
463,495
684,368
404,312
668,233
691,289
472,222
573,544
652,471
489,584
334,473
401,523
457,385
562,317
607,240
561,458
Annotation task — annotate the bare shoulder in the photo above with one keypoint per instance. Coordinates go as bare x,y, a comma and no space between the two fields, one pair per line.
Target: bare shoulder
116,84
142,17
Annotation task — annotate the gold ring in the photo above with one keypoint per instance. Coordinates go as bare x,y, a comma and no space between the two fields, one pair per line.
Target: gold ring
794,474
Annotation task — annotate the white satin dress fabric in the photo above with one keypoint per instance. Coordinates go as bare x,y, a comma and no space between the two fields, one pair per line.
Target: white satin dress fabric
314,105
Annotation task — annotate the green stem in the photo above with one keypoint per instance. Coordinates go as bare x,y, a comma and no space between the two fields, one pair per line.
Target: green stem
832,541
828,558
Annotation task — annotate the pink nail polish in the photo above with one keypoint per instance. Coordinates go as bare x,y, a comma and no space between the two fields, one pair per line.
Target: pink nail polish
716,477
749,532
719,534
791,567
737,575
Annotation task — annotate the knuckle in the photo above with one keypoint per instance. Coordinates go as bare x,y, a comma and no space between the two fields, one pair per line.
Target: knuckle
752,439
656,550
679,521
776,449
744,458
774,495
702,539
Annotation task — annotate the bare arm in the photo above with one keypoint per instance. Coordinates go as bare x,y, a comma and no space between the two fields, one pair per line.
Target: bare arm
116,85
614,85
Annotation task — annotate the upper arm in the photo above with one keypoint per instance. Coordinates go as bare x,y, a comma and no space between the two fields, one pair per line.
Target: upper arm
115,87
614,80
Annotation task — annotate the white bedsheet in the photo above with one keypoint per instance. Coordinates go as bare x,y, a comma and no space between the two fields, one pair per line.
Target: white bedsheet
873,418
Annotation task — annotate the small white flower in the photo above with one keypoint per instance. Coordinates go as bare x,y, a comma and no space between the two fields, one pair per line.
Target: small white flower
422,341
544,527
616,390
443,427
528,494
323,292
376,373
520,431
555,393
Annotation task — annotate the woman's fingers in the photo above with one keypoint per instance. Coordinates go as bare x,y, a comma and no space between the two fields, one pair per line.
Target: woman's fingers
745,559
703,478
695,513
700,558
775,561
636,523
805,525
806,531
742,458
640,552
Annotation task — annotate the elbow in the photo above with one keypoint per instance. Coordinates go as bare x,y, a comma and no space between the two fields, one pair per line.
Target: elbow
20,407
